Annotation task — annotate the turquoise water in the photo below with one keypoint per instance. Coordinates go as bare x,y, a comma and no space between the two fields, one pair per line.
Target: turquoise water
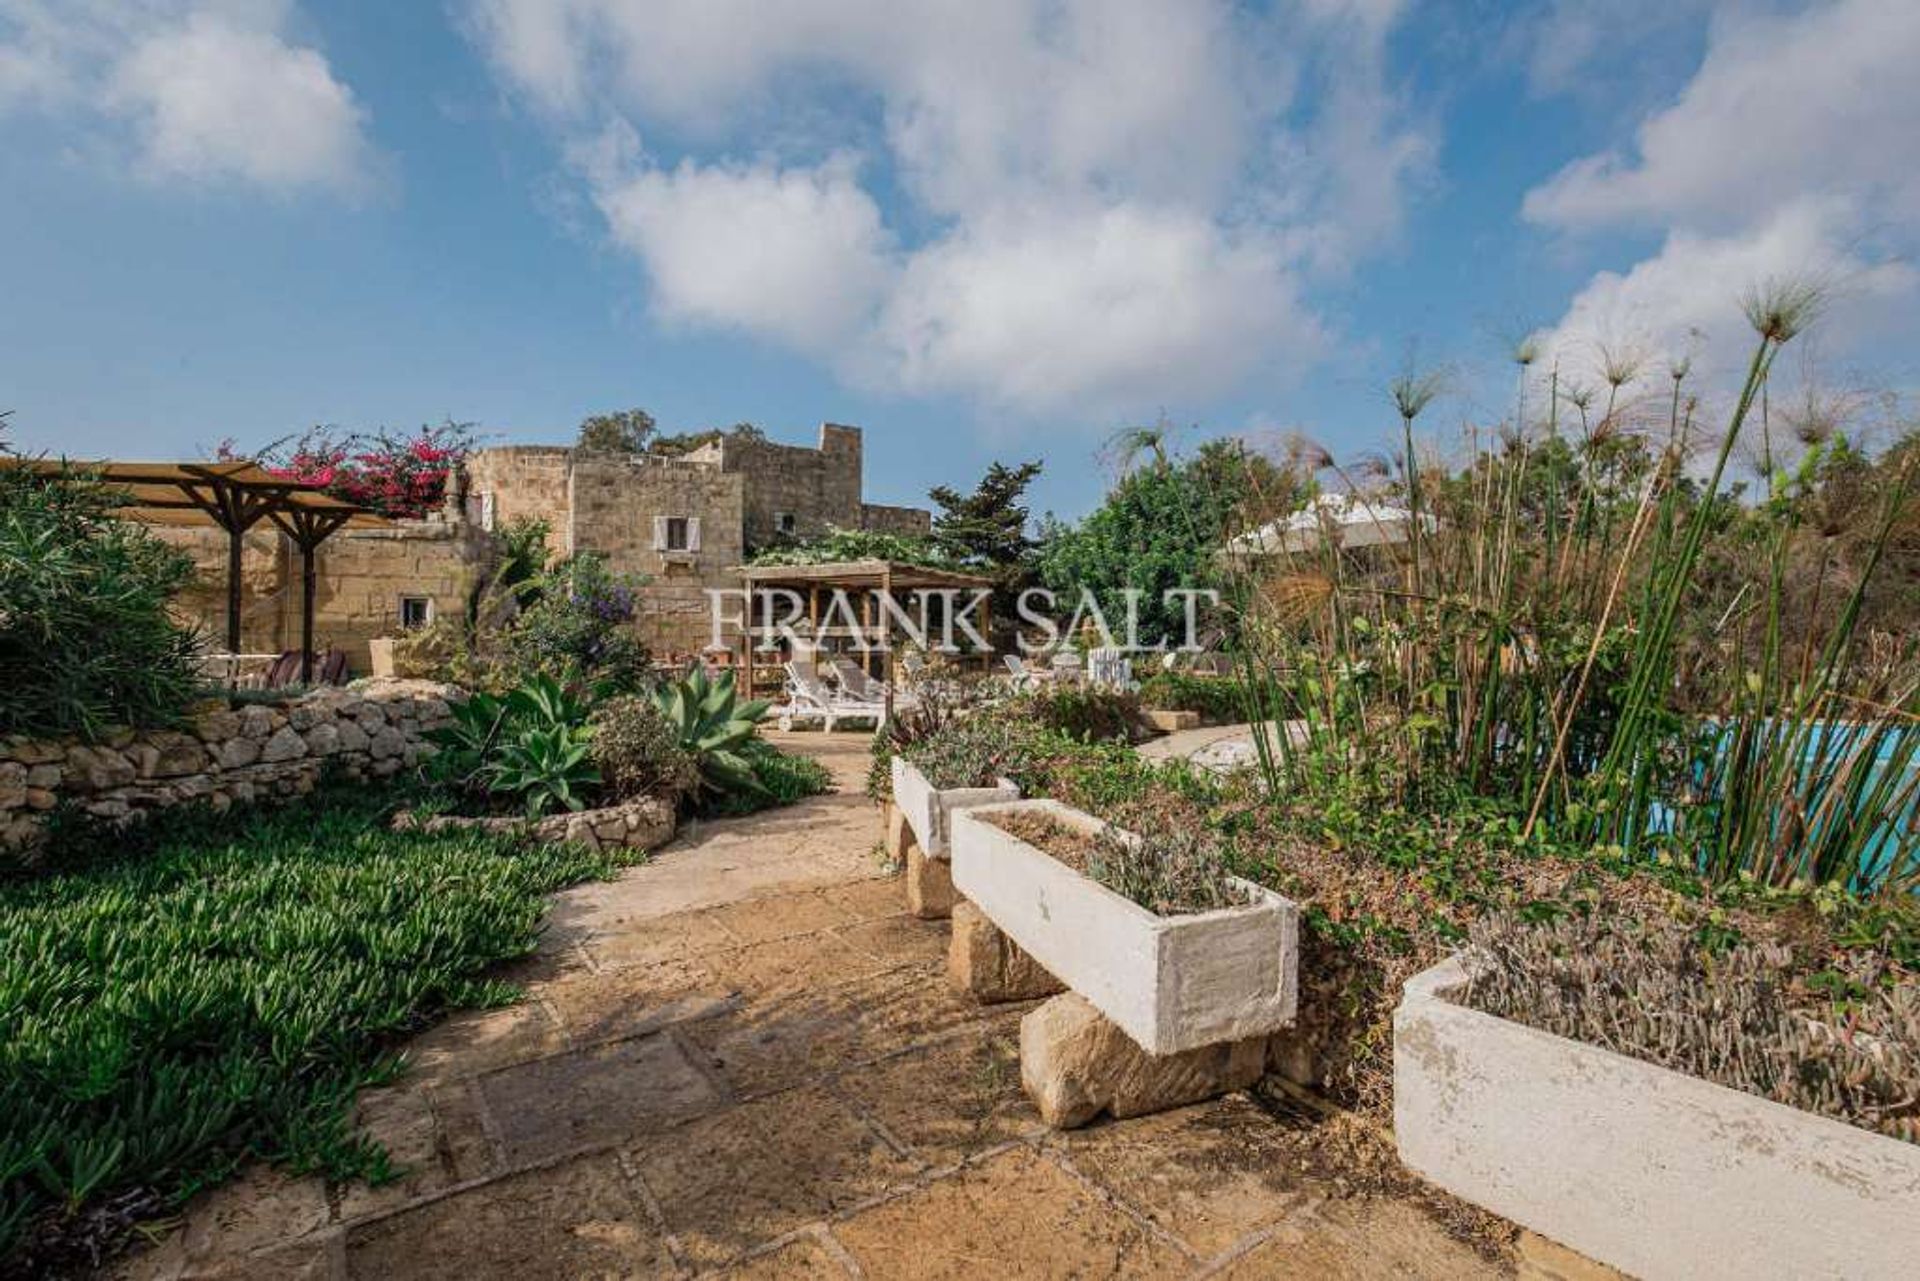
1892,806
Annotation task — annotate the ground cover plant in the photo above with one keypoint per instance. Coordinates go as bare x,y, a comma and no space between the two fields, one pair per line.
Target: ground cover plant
208,989
1167,870
1745,1015
86,642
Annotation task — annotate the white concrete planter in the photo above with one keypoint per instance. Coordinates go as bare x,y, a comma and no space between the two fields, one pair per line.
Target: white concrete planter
929,809
1172,983
1648,1170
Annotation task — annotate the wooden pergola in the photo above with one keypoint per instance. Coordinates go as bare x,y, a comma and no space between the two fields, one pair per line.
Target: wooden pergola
873,580
233,496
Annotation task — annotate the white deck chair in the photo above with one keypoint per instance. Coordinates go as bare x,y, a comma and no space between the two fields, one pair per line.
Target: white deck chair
855,682
808,696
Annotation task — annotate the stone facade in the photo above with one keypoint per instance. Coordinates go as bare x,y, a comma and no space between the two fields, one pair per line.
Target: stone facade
369,730
363,581
723,501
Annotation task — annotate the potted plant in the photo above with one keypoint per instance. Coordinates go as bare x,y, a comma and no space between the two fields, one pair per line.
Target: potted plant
929,808
1153,931
1503,1096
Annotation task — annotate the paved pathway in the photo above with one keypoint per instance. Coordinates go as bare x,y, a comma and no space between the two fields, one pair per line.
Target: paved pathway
743,1057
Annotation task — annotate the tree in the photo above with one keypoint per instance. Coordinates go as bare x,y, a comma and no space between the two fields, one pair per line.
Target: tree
988,527
624,431
687,441
987,530
1160,529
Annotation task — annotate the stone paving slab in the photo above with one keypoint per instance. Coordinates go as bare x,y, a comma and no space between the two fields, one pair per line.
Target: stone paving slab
578,1219
595,1098
749,1175
1015,1215
763,1074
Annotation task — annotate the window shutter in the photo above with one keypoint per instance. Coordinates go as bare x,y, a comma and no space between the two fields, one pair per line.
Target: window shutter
659,533
693,533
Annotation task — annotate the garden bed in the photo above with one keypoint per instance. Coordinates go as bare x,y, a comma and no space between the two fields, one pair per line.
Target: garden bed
1171,982
1652,1171
223,985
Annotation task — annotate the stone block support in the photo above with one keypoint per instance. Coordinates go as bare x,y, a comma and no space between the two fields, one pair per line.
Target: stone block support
984,962
930,892
1076,1064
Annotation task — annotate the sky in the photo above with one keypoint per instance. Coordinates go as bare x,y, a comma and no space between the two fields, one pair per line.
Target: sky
999,229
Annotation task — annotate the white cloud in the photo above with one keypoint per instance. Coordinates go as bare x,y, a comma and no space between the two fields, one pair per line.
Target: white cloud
796,255
1820,101
1792,151
213,90
1121,306
1087,207
1685,300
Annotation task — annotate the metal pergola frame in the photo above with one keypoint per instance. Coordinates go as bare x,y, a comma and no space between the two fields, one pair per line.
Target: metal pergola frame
233,495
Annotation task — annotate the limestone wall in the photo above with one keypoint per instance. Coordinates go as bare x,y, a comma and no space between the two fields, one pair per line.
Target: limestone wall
616,500
911,522
371,729
360,577
817,487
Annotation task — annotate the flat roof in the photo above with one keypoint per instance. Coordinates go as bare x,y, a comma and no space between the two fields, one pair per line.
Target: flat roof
862,573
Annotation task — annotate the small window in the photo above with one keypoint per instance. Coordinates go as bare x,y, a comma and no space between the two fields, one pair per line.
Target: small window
785,523
415,612
486,512
676,533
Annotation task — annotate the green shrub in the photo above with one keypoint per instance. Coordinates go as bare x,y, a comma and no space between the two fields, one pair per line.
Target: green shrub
86,642
1220,700
212,988
1085,713
713,726
781,778
638,751
978,750
576,628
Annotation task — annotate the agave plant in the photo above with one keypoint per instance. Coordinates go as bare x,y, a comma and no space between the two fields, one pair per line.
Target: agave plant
546,766
534,744
713,726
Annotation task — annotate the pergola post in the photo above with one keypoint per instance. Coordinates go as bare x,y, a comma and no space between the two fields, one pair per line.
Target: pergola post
886,641
235,549
308,530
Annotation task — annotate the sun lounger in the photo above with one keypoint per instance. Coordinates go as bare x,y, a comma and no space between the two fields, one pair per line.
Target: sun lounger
809,698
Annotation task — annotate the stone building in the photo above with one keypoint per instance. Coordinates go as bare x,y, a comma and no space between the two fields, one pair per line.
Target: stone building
682,522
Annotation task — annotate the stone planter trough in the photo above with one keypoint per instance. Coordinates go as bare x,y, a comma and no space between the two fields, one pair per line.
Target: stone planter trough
929,810
1651,1171
1171,983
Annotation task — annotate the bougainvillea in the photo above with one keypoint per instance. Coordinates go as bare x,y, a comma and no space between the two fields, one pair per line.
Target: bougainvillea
394,474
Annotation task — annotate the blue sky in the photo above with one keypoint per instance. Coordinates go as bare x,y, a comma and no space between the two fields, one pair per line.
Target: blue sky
1000,231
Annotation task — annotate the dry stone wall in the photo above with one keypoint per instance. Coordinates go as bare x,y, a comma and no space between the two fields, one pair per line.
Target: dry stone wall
371,729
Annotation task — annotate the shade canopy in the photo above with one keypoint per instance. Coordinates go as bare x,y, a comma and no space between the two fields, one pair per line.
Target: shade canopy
1347,520
230,494
884,577
890,574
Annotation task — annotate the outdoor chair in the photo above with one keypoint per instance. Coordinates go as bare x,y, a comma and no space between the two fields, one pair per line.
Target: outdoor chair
856,684
329,668
808,697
